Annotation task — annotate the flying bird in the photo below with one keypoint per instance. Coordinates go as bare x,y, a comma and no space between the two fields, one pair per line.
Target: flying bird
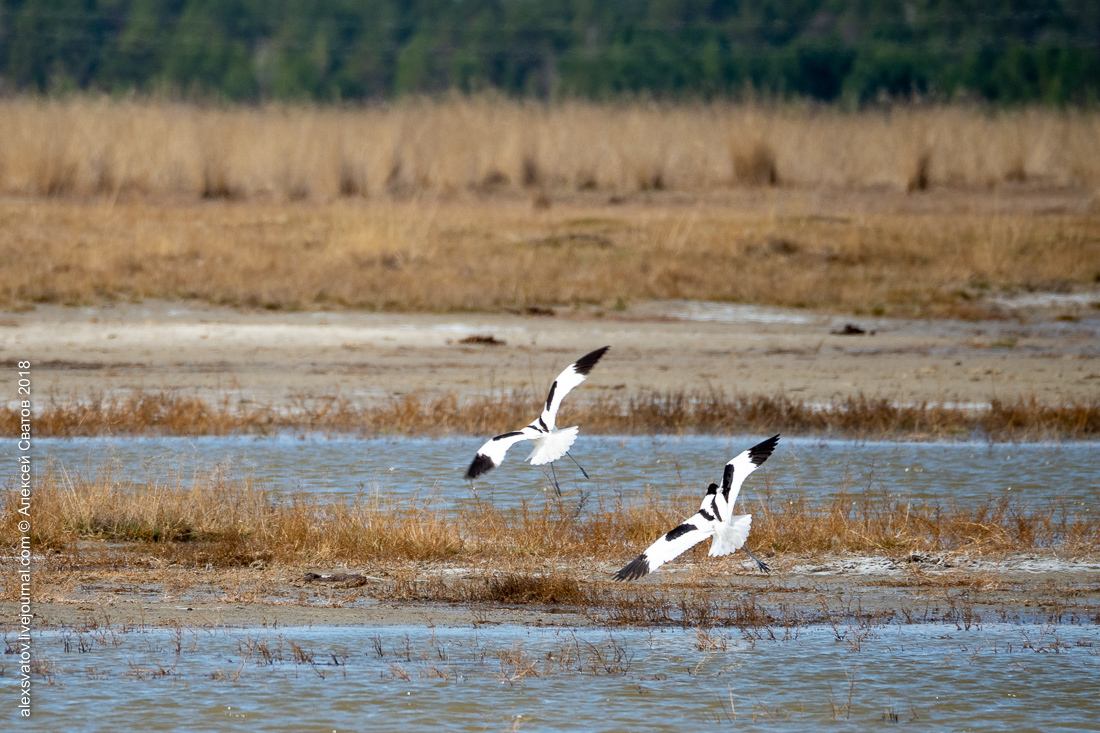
714,519
550,444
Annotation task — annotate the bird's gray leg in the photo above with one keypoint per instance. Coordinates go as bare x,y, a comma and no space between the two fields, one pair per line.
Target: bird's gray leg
763,567
555,473
578,465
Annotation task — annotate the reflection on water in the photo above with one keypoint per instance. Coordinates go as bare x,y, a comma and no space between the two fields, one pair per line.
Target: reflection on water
991,678
626,466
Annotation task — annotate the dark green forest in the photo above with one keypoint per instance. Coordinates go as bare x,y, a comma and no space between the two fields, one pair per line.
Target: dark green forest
856,51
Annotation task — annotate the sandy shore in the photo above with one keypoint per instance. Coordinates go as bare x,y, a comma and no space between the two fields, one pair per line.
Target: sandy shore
273,357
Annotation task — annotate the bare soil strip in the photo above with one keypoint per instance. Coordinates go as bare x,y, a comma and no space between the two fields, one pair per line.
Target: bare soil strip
275,366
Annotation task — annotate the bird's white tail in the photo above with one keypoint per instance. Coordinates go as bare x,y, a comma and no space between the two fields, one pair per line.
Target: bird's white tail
730,537
552,446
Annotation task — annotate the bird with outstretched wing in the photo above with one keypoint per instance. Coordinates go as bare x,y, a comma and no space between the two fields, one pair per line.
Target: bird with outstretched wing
549,443
715,519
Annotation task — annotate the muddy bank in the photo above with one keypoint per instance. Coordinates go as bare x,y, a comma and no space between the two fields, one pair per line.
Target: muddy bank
276,358
800,590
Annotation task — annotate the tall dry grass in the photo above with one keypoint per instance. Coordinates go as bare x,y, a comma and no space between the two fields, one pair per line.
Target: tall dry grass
427,205
86,145
230,521
174,413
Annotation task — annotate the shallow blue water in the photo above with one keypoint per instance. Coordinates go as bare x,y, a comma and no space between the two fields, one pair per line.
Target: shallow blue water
626,466
999,677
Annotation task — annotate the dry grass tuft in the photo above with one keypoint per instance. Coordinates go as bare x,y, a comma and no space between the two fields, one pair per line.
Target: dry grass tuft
175,413
518,588
153,412
223,521
756,166
867,521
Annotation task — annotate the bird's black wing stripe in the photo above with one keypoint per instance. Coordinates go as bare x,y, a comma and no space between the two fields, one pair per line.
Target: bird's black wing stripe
508,435
727,480
584,364
478,466
550,397
706,515
638,567
760,452
679,531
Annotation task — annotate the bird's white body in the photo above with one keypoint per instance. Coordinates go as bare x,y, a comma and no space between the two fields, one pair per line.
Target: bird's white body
730,536
551,446
549,443
714,519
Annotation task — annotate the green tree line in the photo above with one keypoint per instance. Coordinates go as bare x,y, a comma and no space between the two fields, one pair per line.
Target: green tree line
1005,51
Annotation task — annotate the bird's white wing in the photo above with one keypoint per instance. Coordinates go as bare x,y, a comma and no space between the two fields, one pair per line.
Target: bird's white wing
491,455
671,545
573,375
676,541
739,469
730,536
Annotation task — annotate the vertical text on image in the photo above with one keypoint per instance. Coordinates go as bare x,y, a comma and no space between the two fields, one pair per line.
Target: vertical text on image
23,552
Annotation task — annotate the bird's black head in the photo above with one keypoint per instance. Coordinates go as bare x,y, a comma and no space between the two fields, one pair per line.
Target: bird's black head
712,489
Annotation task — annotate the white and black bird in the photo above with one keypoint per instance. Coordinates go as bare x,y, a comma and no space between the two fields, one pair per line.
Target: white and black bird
550,444
714,519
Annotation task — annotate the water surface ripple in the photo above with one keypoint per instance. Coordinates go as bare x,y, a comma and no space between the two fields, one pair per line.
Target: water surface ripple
619,466
998,677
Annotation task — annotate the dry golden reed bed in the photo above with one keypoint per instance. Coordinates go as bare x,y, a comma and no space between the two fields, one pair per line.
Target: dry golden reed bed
488,205
86,145
174,413
227,521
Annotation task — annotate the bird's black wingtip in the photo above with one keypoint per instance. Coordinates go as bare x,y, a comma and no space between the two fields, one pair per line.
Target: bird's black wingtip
638,567
760,452
584,364
478,466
